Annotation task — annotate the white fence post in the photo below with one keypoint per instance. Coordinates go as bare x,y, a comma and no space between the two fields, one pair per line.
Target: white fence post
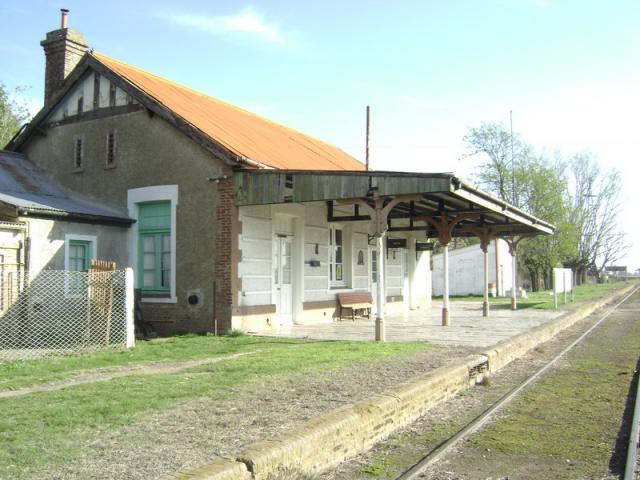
129,307
555,288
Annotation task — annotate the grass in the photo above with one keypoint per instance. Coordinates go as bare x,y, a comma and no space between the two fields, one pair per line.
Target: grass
47,429
178,348
382,465
569,418
542,300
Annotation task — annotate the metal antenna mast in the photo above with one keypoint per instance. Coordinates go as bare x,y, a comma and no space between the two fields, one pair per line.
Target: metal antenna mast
513,166
366,148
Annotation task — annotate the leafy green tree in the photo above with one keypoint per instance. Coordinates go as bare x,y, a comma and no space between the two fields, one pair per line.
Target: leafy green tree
544,192
12,115
541,189
492,141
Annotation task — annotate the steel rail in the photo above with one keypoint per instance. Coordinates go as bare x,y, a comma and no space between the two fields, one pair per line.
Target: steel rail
632,447
481,419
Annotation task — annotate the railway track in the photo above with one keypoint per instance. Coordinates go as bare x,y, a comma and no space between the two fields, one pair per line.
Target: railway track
417,470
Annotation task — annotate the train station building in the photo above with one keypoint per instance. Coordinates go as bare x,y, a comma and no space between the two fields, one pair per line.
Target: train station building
240,222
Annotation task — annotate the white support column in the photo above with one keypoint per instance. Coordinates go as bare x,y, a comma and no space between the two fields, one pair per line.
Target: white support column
514,280
130,307
445,297
381,293
413,284
485,301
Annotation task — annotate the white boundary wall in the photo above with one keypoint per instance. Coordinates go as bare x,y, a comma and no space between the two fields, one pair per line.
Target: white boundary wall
466,270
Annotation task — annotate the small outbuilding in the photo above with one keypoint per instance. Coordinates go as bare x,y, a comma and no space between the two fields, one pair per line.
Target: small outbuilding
44,226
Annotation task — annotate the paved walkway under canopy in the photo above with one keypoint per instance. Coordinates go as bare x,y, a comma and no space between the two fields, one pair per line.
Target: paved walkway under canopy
467,326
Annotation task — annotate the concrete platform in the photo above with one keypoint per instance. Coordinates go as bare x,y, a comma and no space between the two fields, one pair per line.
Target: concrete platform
467,326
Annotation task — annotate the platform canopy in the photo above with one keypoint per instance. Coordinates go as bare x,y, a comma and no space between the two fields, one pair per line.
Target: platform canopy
418,199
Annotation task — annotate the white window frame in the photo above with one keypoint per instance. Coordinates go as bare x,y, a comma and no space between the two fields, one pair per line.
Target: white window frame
153,194
68,238
333,283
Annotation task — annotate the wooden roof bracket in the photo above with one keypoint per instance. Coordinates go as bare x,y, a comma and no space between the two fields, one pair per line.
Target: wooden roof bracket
444,226
379,212
484,234
513,242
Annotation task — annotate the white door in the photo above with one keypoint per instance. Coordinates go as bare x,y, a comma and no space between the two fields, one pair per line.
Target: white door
282,273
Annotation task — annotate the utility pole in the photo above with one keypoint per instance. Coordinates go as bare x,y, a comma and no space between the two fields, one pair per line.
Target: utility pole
366,148
513,165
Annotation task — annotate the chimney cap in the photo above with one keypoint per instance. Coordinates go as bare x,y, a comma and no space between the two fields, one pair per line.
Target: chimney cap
64,12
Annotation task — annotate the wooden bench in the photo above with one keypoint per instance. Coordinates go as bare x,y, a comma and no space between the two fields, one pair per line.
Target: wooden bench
356,301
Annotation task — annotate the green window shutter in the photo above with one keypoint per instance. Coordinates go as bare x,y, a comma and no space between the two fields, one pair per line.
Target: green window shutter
154,216
154,247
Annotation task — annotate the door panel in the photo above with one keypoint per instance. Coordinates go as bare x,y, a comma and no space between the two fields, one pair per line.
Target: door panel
282,274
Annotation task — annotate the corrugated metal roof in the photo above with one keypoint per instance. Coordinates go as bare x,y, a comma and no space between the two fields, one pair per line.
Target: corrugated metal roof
241,132
27,187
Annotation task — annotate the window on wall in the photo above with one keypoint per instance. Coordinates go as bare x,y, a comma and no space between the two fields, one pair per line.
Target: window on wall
336,257
80,254
79,251
154,247
110,159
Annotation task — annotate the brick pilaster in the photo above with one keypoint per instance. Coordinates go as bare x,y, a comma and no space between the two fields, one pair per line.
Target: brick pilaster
227,254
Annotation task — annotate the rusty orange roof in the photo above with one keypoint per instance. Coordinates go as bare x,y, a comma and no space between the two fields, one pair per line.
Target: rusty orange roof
241,132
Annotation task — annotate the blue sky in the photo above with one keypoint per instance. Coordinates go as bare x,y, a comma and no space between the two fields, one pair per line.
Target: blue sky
569,70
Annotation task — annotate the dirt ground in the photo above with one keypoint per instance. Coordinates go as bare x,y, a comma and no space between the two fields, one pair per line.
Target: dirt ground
195,432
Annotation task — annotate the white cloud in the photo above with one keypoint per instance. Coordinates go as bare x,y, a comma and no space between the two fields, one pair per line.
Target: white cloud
247,22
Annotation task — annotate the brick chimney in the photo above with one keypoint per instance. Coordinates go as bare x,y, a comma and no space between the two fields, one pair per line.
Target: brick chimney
63,49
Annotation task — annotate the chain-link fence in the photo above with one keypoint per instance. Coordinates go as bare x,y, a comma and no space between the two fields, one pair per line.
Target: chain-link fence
60,312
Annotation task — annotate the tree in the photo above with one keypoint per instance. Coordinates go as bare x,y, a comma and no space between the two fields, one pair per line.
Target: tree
12,115
539,187
587,236
544,192
596,204
495,174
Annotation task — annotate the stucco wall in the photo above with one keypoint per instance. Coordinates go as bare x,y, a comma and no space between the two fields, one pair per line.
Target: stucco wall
261,224
47,239
149,152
